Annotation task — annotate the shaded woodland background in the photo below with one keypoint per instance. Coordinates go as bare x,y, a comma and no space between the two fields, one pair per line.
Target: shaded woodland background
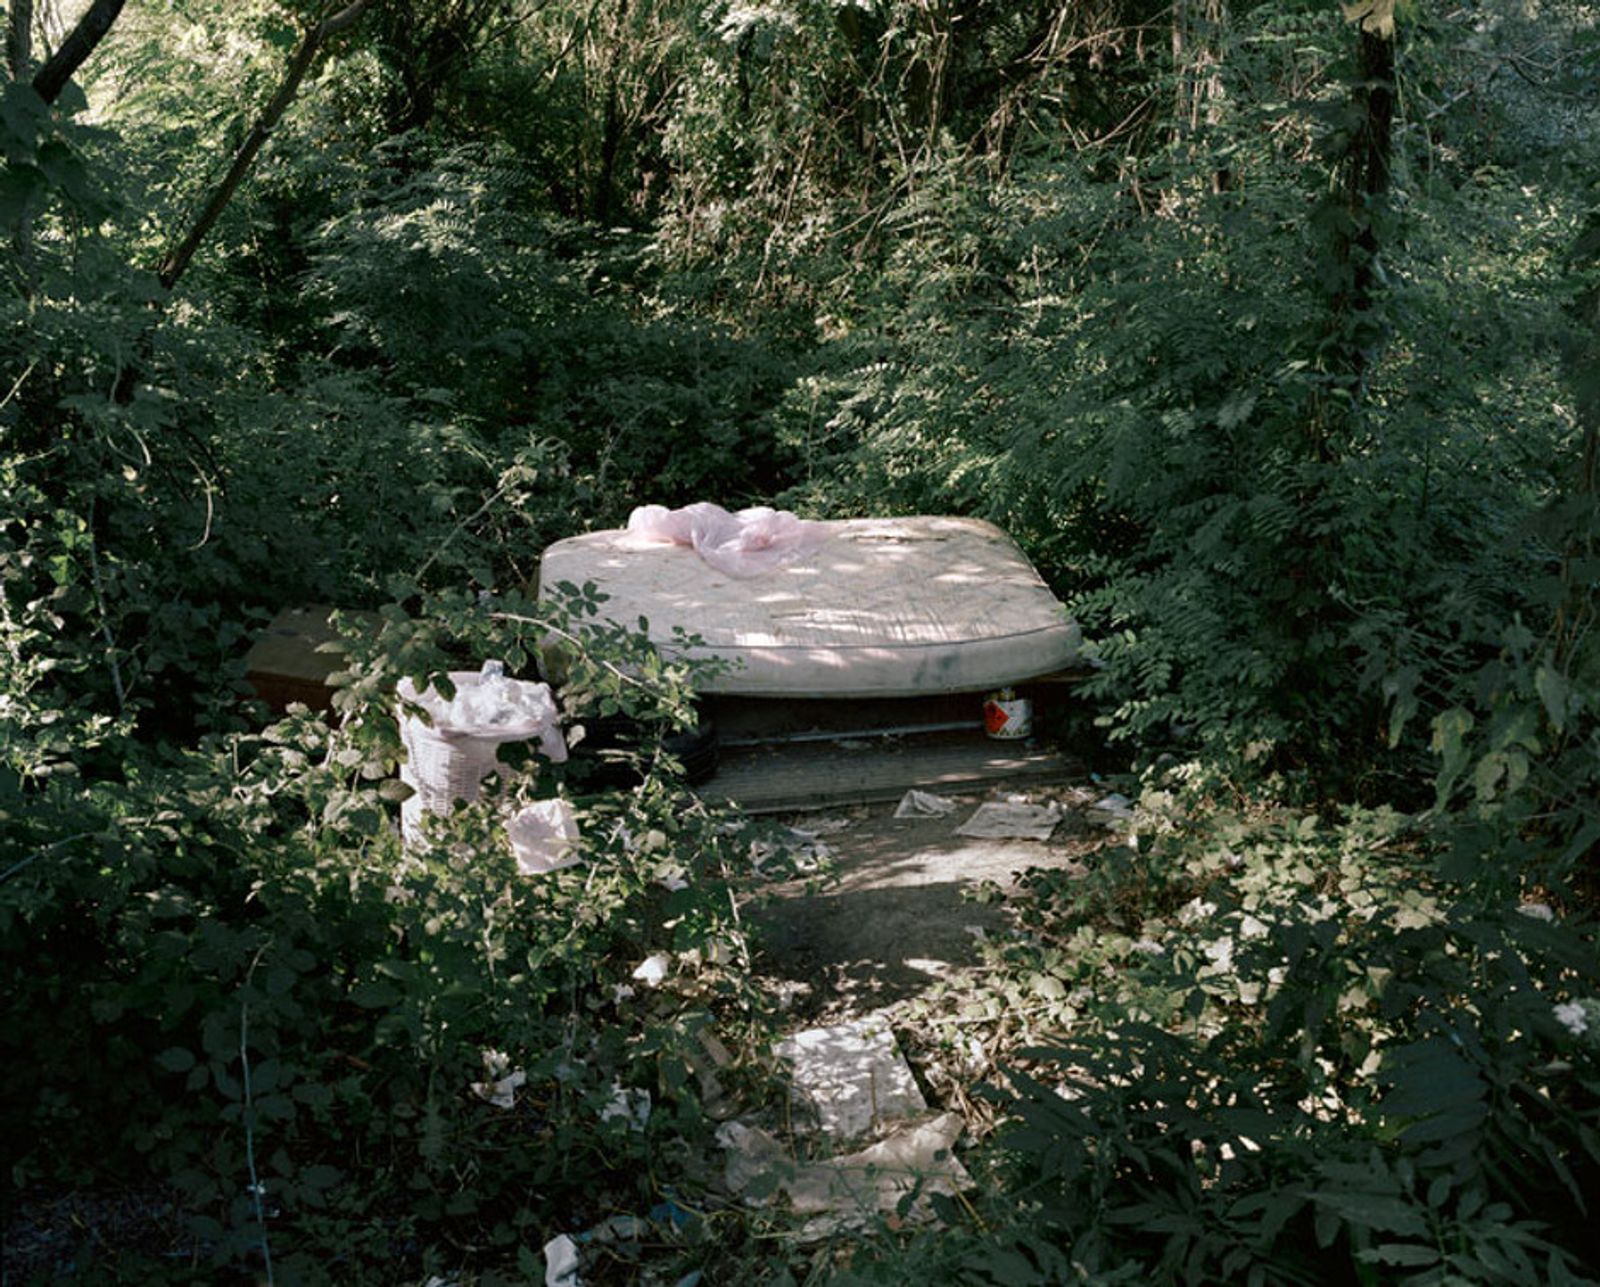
1268,329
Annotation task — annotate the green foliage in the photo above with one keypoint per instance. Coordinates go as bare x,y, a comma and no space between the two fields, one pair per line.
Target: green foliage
253,984
1284,1052
1310,449
1264,552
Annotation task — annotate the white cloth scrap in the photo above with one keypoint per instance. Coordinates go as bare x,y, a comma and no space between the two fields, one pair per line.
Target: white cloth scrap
561,1262
923,804
739,545
542,837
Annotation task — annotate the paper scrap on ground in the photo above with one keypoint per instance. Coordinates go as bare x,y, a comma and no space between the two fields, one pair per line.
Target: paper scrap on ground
627,1105
653,969
1008,821
561,1262
816,828
923,804
713,1100
855,1188
852,1075
1113,810
807,853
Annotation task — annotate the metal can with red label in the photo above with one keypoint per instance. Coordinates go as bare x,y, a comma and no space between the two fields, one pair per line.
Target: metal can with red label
1007,717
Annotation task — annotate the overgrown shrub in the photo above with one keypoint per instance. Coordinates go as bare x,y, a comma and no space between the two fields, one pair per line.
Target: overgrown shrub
265,1010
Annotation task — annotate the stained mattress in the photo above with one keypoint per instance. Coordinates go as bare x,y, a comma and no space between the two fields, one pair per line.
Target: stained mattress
883,608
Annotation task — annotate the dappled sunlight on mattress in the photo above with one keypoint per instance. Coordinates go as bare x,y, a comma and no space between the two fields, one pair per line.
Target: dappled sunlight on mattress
884,607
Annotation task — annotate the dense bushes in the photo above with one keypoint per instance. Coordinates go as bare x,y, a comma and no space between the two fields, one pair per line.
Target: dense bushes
257,998
1315,463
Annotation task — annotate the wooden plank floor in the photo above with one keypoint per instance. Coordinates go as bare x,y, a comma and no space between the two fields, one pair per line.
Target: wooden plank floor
826,774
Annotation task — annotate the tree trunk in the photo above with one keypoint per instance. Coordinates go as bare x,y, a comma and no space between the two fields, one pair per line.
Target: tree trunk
1368,161
610,125
1575,618
1355,331
19,40
426,53
19,63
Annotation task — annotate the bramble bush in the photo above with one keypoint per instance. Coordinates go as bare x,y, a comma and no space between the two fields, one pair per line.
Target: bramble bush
263,1005
1267,1048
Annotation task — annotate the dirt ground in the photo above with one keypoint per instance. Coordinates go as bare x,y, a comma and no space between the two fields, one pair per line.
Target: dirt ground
897,915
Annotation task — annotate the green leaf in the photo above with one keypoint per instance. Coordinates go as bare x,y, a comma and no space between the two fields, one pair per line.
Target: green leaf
176,1059
1486,776
1373,1211
1399,1253
1049,988
1553,692
1401,691
320,1176
1450,729
373,995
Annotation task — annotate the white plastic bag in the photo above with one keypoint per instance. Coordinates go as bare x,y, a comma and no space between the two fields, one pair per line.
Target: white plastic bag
542,837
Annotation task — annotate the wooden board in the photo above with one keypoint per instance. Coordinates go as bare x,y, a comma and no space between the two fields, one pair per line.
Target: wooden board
285,665
825,774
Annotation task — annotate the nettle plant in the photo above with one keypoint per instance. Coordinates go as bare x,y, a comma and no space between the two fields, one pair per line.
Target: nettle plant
330,1045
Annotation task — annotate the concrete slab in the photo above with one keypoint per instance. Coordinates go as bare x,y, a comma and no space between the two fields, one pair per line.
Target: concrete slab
897,917
851,1076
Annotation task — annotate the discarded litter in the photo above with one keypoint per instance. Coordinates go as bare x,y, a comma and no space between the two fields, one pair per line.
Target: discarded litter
852,1076
714,1101
804,851
850,1190
1113,811
500,1089
1008,821
786,993
739,545
542,837
653,969
1007,717
450,753
623,1228
561,1262
815,828
628,1105
669,1213
924,804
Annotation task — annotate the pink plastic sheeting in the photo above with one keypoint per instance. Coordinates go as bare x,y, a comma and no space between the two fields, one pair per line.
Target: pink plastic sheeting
740,545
